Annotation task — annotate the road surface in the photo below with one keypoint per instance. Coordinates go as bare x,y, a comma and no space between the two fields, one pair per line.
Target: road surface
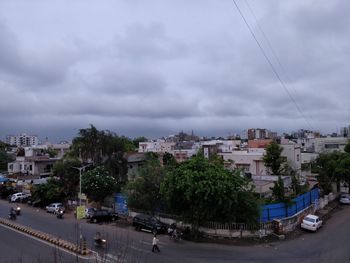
330,244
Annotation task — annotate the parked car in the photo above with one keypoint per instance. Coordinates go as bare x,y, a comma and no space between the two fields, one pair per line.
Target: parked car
103,216
18,197
54,207
311,222
344,198
148,223
89,212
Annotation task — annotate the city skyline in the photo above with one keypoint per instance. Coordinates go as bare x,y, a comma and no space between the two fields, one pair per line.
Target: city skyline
155,68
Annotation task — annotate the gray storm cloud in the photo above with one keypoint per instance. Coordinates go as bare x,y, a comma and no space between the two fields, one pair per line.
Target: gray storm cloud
156,67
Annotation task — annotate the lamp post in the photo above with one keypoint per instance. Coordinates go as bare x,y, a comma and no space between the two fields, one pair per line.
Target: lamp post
80,169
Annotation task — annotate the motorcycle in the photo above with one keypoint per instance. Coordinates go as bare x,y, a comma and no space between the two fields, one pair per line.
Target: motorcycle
18,210
59,214
12,215
100,242
174,233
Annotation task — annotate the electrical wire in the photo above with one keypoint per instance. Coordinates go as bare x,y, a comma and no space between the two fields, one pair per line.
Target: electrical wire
270,63
273,52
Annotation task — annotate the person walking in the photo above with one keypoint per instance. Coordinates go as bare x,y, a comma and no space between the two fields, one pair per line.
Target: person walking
155,244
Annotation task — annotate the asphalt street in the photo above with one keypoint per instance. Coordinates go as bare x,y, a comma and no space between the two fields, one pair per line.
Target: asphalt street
329,244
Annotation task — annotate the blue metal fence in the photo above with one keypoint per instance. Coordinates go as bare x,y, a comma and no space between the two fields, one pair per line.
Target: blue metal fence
281,210
121,206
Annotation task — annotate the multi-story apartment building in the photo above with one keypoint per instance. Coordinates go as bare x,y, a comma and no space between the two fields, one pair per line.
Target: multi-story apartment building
329,144
260,134
22,140
159,146
36,162
344,131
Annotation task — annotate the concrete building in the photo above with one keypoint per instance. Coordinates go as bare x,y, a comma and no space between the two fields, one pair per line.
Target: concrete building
262,143
38,166
135,161
292,152
22,140
329,144
250,161
158,146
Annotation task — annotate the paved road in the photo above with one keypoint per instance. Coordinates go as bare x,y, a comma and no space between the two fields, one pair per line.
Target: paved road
330,244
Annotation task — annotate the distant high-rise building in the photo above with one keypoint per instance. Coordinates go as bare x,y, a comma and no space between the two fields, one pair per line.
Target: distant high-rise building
344,132
22,140
260,134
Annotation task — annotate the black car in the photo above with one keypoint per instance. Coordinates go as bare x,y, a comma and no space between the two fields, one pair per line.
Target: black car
103,216
148,223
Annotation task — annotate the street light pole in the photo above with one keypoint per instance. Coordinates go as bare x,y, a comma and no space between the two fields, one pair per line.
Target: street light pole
80,169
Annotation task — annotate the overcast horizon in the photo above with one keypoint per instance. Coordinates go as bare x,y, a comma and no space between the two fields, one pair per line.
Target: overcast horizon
154,68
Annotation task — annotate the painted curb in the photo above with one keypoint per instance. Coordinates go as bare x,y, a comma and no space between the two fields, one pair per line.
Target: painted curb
82,250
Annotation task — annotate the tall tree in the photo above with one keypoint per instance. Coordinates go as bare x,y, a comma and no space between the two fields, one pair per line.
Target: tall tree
103,148
88,145
69,177
144,191
327,165
278,190
273,159
200,190
4,157
97,184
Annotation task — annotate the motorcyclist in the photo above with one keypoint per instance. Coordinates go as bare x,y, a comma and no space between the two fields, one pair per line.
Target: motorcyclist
98,238
59,213
18,210
12,213
171,229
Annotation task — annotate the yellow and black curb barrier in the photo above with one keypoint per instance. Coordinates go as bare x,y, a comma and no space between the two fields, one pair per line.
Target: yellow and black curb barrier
79,249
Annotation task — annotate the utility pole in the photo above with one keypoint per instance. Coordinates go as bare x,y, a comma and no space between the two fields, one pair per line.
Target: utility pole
80,171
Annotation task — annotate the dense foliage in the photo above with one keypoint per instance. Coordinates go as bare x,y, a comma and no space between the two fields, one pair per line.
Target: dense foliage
63,169
4,157
97,184
143,191
273,160
103,148
52,191
201,190
333,167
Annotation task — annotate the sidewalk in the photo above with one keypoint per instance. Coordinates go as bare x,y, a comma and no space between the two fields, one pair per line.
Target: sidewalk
325,214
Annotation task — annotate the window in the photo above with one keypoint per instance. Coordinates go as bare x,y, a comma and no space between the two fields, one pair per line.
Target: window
309,219
331,146
298,157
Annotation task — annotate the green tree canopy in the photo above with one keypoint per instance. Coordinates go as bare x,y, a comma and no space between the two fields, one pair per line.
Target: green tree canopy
143,191
273,159
69,177
347,147
52,191
329,169
200,190
4,157
97,184
103,148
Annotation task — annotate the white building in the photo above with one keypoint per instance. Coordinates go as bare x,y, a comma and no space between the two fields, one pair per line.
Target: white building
292,152
158,146
251,160
329,144
22,140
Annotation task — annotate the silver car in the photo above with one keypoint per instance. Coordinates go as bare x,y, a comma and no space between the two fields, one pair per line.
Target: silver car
54,207
344,199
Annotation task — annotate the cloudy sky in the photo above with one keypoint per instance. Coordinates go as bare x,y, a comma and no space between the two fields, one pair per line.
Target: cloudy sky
156,67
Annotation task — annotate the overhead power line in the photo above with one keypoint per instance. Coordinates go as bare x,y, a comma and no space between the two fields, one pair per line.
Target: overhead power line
270,63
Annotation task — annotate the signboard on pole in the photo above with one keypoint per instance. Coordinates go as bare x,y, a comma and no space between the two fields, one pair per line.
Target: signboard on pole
80,212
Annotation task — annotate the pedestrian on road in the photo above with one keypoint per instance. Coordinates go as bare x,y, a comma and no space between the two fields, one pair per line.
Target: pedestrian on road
155,244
